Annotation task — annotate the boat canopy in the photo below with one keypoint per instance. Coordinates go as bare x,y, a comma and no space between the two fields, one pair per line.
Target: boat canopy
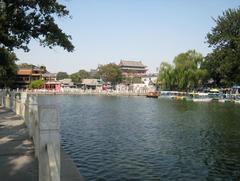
214,90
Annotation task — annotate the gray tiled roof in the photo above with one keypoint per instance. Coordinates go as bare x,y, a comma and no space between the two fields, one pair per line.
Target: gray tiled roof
131,63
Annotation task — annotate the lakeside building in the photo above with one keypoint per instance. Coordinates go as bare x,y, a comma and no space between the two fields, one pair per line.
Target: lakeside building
26,75
50,81
92,84
67,83
150,79
132,68
49,77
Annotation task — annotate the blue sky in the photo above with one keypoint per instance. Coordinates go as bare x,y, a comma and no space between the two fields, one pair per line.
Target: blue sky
150,31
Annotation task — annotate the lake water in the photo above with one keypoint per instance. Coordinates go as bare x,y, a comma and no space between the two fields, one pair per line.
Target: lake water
135,138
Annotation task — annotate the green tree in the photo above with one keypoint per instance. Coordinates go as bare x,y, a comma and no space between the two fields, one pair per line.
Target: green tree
84,74
25,66
166,79
8,68
223,63
43,68
21,21
76,77
36,84
62,75
110,73
188,71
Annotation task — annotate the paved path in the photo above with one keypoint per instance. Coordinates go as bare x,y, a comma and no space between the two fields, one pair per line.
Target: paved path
17,160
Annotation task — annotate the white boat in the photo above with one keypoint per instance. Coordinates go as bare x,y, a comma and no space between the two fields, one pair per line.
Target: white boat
222,100
201,97
172,95
225,98
237,101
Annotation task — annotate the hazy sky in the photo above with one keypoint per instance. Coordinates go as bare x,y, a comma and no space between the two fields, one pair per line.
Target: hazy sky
150,31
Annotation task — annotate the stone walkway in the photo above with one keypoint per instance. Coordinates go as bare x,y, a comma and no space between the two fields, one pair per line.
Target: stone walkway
17,160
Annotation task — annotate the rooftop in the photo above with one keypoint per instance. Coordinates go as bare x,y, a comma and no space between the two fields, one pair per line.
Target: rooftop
131,63
24,72
91,81
48,74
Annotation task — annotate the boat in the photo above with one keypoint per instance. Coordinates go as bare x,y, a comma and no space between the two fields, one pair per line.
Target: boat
152,95
237,99
179,96
201,97
214,94
168,94
225,98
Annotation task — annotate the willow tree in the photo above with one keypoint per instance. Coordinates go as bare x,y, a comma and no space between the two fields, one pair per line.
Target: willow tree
188,71
185,74
223,63
166,76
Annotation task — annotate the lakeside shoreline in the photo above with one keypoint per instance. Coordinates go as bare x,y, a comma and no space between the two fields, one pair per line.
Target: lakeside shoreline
91,93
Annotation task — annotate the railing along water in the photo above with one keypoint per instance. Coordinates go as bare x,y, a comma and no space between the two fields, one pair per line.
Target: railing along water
43,127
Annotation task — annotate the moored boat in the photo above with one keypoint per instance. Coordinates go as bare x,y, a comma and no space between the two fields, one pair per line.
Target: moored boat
214,94
237,99
152,95
201,97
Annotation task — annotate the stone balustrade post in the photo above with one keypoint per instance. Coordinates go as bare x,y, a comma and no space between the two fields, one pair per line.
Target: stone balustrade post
26,113
48,134
4,98
7,101
32,115
17,102
12,100
1,98
23,103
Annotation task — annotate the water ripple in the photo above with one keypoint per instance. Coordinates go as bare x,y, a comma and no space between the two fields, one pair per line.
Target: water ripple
134,138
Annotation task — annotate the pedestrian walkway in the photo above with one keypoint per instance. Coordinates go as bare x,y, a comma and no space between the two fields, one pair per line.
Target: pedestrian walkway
17,160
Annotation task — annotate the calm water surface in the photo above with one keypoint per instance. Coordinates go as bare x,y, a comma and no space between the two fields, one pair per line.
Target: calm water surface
135,138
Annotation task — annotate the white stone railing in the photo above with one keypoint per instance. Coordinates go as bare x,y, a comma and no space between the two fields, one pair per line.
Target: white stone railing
43,126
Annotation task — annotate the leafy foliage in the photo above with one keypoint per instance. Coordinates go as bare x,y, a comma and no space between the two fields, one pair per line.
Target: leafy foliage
20,21
36,84
166,77
25,66
84,74
223,63
186,73
110,73
62,75
8,68
78,76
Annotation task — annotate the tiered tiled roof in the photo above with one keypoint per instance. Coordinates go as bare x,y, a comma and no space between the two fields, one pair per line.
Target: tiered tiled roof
126,63
24,72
